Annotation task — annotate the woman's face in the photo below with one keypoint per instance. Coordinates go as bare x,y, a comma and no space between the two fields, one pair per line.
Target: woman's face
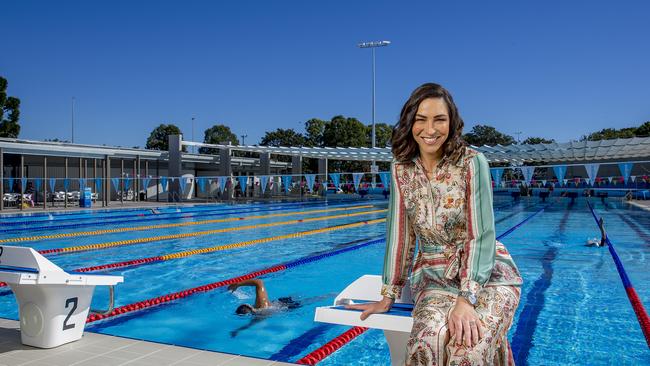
431,127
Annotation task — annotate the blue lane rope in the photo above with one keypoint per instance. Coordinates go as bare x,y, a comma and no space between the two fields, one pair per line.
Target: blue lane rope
507,232
635,301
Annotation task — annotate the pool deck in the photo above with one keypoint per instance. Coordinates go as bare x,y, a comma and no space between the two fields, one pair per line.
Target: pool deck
99,350
641,204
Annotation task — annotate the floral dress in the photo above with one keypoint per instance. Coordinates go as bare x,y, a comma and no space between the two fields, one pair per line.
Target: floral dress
451,219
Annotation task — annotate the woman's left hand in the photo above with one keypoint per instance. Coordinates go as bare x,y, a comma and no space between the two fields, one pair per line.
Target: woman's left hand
464,324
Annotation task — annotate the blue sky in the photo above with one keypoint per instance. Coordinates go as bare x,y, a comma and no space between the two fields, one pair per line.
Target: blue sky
554,69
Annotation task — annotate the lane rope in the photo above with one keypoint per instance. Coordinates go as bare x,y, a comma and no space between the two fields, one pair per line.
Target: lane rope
332,346
88,247
633,297
178,224
507,232
188,253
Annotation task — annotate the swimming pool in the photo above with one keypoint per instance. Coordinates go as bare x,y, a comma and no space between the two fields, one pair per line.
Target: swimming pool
573,310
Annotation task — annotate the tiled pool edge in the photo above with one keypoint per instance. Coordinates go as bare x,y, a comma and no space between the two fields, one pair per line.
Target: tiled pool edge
99,349
641,204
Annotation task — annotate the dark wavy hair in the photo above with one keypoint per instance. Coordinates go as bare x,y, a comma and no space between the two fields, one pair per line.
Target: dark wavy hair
403,144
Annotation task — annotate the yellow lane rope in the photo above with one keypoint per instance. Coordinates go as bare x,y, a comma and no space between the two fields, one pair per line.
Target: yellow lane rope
163,226
265,240
200,233
188,253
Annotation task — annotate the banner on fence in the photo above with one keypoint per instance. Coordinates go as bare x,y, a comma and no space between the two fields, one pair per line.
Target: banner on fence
626,169
310,178
592,172
286,180
243,182
264,181
385,179
497,173
336,179
356,178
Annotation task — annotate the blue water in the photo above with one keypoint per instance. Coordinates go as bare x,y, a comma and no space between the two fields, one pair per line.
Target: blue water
573,309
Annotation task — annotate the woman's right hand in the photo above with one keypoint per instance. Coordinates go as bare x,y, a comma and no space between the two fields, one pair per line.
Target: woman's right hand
373,307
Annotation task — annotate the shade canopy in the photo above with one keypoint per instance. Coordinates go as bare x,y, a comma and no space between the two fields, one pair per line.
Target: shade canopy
635,148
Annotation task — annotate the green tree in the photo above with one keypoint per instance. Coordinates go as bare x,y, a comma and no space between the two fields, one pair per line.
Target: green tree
643,130
315,130
487,135
158,139
537,140
610,133
10,106
282,137
383,133
344,132
218,135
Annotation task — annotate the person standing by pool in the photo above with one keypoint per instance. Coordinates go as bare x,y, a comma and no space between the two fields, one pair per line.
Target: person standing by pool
465,285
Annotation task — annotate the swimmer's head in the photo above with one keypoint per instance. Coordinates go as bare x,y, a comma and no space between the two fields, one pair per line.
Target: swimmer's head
244,309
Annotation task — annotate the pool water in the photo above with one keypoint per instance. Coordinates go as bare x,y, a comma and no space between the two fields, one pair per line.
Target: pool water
573,310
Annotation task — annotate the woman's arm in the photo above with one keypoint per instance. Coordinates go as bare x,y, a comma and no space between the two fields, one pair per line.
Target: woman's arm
477,259
400,245
400,242
479,251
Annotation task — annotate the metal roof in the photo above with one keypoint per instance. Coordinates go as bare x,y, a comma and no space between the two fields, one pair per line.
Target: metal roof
631,149
66,149
635,148
617,149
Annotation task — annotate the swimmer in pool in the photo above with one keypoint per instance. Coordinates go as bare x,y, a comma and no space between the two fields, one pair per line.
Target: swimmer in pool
262,303
263,306
603,236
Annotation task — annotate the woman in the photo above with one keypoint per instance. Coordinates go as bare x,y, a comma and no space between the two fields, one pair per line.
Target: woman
464,283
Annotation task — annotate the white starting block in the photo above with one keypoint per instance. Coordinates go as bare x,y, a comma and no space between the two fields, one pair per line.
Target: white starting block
396,323
53,304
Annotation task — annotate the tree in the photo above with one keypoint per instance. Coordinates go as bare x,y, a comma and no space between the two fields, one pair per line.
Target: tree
487,135
315,129
8,105
344,132
537,140
282,137
218,135
643,130
383,133
158,139
610,133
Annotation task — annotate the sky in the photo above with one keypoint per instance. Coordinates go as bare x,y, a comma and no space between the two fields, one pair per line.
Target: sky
552,69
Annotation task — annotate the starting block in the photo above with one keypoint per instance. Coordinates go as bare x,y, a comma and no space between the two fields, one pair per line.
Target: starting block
396,323
53,305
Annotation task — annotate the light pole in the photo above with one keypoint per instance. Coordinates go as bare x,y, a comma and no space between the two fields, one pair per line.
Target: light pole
373,45
518,134
243,139
193,147
72,120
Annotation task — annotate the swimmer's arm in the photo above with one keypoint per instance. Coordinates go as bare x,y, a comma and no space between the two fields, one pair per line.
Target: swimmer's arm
261,297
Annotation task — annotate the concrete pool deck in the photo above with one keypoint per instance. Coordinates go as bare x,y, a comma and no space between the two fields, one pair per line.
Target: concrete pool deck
99,350
641,204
